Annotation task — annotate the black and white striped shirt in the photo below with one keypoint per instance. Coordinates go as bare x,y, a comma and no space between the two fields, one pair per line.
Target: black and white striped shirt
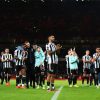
19,55
7,60
85,64
51,59
67,61
97,61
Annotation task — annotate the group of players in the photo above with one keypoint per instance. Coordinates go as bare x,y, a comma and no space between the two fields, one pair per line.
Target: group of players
28,61
30,68
91,68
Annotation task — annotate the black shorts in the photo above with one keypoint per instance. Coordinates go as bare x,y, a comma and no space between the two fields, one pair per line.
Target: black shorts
19,68
97,70
7,70
52,68
37,70
74,72
86,71
42,70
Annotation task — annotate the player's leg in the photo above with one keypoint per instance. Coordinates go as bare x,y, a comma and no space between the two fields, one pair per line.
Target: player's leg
9,75
96,78
2,77
99,78
27,76
48,80
75,78
52,81
91,78
23,73
87,76
42,76
5,75
70,79
18,76
33,77
48,76
37,76
83,77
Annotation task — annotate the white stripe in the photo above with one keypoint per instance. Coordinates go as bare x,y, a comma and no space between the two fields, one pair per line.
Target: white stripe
55,96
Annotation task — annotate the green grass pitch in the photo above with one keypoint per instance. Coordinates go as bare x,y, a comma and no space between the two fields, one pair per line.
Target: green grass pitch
67,93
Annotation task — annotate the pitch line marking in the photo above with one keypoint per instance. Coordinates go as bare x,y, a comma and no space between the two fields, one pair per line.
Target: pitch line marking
55,96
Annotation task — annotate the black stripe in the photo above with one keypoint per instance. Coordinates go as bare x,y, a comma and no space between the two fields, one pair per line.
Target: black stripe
51,54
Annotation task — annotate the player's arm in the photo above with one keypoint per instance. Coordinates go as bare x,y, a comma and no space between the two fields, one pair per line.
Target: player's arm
86,61
95,57
11,58
58,47
25,54
15,55
3,59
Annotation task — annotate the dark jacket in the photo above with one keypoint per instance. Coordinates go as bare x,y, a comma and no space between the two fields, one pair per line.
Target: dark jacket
30,56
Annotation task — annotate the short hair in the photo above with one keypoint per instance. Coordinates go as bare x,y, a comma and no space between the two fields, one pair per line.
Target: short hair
26,42
88,50
50,36
6,48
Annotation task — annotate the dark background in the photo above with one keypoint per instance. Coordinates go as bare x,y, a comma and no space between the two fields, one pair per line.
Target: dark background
74,23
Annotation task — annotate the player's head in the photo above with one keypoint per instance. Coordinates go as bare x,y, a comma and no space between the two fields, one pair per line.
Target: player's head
24,45
34,46
97,50
73,52
51,38
27,44
6,50
87,52
2,52
69,52
38,49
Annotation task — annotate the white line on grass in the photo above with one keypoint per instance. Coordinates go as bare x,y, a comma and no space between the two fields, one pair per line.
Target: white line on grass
55,96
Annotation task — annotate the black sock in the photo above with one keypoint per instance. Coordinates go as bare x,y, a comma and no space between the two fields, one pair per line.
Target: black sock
91,79
42,80
37,79
96,79
20,77
70,80
9,77
74,80
48,83
17,80
52,84
82,80
6,78
23,79
2,78
87,80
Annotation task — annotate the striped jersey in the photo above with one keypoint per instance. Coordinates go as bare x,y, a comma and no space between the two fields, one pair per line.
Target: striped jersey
86,64
19,55
67,61
97,61
7,60
51,59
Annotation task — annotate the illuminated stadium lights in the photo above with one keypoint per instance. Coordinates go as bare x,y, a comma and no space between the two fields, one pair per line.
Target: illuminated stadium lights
42,1
7,1
24,0
80,0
